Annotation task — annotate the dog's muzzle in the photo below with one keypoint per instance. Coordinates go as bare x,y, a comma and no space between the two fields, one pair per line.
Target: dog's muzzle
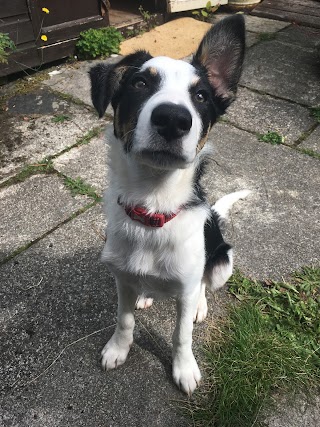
171,121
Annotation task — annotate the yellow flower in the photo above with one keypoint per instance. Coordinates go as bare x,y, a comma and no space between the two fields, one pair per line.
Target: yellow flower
44,38
45,10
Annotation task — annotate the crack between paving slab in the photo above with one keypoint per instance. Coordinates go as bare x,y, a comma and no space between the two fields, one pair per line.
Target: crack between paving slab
261,92
79,102
47,233
305,135
305,151
24,174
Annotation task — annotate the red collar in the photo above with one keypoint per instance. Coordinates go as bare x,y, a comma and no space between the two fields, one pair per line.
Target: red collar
137,213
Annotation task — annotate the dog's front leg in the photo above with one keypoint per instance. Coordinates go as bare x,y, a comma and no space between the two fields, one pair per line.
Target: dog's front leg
117,348
186,373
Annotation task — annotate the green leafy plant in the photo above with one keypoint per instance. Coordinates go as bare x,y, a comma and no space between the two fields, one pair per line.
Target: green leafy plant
205,13
98,42
7,46
273,138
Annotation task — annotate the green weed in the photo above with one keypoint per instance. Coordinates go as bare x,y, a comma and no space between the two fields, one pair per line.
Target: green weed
205,13
60,118
264,37
85,139
44,166
273,138
78,186
315,112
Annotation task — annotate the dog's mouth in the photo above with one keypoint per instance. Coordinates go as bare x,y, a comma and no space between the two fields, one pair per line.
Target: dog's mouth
163,159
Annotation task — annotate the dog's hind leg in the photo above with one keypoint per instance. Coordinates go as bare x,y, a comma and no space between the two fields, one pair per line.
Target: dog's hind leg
220,268
117,348
202,308
186,373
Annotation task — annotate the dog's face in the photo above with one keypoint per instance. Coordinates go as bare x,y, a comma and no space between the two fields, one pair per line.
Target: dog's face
164,108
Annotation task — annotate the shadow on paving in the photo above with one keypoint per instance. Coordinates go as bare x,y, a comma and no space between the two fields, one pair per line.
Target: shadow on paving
58,310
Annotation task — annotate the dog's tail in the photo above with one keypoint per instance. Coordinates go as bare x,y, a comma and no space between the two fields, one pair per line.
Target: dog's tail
223,205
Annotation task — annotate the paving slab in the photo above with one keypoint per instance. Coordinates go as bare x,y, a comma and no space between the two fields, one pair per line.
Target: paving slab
269,68
312,142
302,413
74,80
58,292
255,24
275,231
33,207
298,35
86,161
262,113
28,132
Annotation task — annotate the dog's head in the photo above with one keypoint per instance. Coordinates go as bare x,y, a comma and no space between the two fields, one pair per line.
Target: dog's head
164,108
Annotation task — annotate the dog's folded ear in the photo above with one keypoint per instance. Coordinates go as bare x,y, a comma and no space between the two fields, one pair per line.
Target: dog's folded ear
221,53
106,78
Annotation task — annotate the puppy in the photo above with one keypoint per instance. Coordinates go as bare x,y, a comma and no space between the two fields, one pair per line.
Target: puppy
162,237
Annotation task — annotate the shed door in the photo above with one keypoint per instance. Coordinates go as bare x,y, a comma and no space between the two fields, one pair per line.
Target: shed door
66,19
181,5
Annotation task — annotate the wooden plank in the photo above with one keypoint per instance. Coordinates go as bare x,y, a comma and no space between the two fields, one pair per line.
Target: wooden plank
302,9
12,8
57,51
270,13
19,29
69,30
183,5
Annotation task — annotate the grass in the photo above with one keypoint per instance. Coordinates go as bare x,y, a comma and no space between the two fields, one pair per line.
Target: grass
315,112
269,342
78,186
271,137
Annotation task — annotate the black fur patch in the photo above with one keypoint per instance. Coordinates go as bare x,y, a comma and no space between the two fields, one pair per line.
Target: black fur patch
106,79
216,247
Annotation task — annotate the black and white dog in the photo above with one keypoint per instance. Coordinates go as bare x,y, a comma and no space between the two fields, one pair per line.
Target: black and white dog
162,237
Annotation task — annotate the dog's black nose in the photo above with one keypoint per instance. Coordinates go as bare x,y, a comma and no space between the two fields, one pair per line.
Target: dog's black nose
171,121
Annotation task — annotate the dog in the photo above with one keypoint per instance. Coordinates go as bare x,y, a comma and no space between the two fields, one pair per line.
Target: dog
163,239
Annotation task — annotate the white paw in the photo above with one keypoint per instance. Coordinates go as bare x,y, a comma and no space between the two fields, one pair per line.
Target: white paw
143,302
114,355
186,373
202,310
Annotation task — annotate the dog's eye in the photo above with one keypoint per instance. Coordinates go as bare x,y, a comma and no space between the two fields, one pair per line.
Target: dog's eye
139,83
201,96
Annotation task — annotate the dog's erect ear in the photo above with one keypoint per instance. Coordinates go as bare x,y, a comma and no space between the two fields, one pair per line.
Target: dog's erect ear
106,78
221,53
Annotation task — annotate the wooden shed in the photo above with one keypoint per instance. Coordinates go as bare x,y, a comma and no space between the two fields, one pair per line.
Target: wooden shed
46,30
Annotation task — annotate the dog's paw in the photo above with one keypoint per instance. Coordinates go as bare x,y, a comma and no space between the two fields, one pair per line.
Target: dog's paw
114,355
186,374
201,310
143,302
